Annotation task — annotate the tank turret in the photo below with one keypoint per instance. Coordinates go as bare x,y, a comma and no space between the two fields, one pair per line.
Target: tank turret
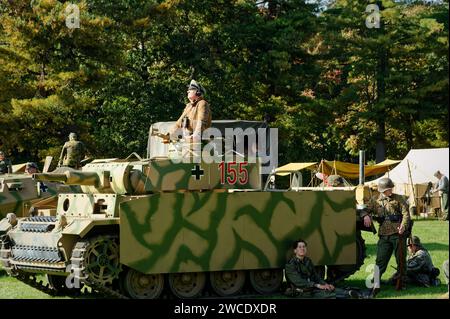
161,175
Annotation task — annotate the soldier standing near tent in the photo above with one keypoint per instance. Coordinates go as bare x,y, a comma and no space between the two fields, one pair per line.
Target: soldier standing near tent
442,188
391,212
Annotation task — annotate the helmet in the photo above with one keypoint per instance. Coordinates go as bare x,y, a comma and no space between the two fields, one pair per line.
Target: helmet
194,85
385,184
414,240
1,153
32,165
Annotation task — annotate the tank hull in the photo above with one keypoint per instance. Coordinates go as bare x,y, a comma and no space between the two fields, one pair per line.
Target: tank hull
212,231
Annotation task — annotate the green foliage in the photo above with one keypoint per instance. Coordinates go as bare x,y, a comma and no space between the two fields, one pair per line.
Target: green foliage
396,76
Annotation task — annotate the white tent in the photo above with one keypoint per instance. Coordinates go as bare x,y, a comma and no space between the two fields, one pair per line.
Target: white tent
423,163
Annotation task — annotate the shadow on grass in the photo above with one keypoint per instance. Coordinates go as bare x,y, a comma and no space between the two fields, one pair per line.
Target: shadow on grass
372,248
411,291
3,273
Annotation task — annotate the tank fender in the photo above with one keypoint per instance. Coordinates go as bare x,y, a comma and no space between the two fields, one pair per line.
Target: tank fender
81,227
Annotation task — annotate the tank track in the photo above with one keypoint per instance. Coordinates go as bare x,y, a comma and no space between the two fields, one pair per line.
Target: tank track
27,278
112,290
79,272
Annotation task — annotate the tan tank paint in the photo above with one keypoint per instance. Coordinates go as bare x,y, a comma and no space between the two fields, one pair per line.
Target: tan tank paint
241,230
18,192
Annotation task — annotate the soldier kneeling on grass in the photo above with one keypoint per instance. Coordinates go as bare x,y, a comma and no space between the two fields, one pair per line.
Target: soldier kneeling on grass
420,269
304,282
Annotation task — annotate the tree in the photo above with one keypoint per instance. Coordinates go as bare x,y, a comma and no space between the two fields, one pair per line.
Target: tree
51,71
388,72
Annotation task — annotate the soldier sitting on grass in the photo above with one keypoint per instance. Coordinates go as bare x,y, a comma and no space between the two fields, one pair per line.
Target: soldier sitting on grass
420,269
304,280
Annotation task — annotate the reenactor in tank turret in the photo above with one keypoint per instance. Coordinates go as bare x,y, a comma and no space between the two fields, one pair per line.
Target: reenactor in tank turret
196,116
391,212
5,164
31,168
72,153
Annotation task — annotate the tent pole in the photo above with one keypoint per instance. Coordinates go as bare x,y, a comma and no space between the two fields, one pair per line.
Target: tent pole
413,203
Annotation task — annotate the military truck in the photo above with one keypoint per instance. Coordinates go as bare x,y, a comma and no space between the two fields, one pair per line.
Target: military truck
143,228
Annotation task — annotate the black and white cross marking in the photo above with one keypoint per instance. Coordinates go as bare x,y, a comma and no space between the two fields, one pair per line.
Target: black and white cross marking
43,187
198,172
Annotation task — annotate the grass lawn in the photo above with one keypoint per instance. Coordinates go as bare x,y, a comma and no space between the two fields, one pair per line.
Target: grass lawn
434,234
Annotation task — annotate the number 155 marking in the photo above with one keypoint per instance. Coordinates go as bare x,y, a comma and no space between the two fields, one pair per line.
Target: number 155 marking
235,172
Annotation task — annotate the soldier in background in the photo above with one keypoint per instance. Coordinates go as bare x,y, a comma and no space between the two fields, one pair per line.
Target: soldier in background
335,181
442,188
196,116
5,164
420,269
305,282
391,211
31,168
72,153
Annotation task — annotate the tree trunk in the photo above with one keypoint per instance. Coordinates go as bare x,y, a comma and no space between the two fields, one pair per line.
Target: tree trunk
409,133
272,4
380,150
382,68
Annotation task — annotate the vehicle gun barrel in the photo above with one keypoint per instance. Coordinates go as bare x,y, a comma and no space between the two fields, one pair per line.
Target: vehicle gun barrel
70,178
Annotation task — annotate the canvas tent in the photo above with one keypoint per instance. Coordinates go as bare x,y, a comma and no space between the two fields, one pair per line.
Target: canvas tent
347,170
328,168
423,163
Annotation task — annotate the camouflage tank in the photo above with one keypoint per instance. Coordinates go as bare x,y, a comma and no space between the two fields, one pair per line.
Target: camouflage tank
21,195
141,226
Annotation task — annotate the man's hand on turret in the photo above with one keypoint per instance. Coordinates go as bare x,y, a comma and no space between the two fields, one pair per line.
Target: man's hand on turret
166,138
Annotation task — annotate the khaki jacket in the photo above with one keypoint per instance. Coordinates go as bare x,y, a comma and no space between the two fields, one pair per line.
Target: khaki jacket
391,212
199,115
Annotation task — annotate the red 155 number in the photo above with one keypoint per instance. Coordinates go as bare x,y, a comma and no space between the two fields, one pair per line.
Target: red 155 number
235,172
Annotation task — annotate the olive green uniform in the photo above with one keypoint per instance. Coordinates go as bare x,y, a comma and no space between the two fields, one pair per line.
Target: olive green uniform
390,212
302,275
198,114
72,154
420,267
5,166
